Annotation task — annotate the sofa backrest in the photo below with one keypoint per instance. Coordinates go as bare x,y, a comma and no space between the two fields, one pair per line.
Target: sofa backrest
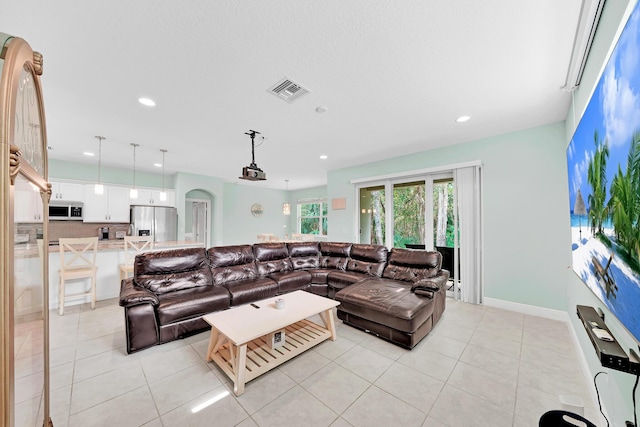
231,263
368,259
271,258
334,255
412,265
304,254
172,270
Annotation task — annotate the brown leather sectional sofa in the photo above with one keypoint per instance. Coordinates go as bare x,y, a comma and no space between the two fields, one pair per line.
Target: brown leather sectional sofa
398,295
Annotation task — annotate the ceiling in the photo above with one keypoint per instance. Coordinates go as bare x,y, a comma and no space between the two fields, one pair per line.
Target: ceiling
393,74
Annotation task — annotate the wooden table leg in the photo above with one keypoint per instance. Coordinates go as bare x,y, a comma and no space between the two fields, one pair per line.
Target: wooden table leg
329,323
213,339
240,357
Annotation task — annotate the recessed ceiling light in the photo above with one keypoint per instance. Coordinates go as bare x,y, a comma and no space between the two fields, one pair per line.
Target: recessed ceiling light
147,101
324,156
158,165
463,119
87,153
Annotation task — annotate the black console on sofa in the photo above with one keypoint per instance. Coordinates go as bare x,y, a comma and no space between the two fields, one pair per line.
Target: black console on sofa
398,294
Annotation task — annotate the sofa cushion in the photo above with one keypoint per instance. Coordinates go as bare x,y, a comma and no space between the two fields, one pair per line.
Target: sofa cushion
412,265
368,259
172,270
246,291
319,275
189,303
271,258
289,281
340,279
232,263
334,255
304,255
387,302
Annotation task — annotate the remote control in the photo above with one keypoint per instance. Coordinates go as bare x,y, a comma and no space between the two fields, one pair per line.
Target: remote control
254,306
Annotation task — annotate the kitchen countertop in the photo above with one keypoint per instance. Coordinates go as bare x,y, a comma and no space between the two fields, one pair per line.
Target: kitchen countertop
28,250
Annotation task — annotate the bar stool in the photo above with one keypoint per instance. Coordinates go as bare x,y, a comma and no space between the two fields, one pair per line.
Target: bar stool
133,245
81,264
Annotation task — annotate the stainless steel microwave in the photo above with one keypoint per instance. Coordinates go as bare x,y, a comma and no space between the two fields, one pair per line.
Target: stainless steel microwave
65,212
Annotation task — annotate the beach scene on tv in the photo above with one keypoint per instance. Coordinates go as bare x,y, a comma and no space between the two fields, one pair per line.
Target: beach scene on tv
604,184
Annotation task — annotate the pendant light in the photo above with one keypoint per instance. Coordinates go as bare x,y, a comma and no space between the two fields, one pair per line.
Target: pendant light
133,193
163,194
99,188
286,207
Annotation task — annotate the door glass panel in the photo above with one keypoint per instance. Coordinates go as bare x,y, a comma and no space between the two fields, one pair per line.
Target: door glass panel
443,226
409,214
28,306
372,215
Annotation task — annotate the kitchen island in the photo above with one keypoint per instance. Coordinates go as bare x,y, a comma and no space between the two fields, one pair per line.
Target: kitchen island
109,256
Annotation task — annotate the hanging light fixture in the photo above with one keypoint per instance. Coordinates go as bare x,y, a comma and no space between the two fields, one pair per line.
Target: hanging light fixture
163,194
99,188
133,193
286,207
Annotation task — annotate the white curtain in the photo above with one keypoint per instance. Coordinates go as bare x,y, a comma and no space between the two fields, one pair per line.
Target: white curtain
468,235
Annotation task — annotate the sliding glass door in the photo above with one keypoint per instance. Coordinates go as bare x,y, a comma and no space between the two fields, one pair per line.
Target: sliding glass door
438,210
405,220
373,215
409,214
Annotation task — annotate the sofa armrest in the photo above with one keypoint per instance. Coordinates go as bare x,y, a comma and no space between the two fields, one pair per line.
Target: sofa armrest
439,280
132,294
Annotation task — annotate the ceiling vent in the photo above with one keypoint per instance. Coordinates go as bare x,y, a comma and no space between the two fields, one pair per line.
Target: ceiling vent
288,90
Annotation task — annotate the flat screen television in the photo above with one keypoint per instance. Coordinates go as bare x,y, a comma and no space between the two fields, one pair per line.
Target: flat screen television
603,160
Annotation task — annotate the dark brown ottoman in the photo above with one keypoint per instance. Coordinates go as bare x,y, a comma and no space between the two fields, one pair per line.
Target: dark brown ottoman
390,310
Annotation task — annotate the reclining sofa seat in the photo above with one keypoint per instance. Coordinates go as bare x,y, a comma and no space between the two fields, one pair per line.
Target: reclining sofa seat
354,262
387,306
306,256
171,292
272,260
234,268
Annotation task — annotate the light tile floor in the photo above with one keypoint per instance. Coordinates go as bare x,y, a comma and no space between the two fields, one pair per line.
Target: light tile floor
480,366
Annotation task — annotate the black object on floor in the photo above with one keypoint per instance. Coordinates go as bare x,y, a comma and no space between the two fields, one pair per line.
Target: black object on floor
563,418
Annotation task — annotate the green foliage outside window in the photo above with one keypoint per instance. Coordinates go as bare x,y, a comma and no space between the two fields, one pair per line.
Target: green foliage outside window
313,218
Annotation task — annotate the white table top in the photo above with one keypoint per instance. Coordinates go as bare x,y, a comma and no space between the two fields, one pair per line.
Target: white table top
245,323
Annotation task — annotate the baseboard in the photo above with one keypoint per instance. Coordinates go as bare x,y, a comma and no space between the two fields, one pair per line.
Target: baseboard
531,310
549,313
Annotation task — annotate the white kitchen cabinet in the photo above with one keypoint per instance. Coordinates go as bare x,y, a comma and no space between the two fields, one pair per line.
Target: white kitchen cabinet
112,206
67,191
148,196
28,206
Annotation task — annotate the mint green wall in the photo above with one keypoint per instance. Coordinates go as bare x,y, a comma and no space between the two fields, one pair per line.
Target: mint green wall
615,387
240,227
61,169
525,209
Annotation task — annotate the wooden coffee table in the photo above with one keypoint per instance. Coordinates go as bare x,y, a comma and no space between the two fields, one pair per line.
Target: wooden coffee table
240,342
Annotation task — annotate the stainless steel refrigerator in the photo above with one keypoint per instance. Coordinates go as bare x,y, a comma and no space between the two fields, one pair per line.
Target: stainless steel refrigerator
161,222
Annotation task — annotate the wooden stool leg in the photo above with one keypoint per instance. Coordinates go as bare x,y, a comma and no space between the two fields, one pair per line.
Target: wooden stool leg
93,291
61,297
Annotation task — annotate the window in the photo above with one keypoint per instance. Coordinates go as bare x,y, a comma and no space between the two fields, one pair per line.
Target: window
312,216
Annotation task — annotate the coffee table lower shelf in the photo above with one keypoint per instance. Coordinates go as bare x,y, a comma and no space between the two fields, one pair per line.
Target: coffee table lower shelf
259,357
